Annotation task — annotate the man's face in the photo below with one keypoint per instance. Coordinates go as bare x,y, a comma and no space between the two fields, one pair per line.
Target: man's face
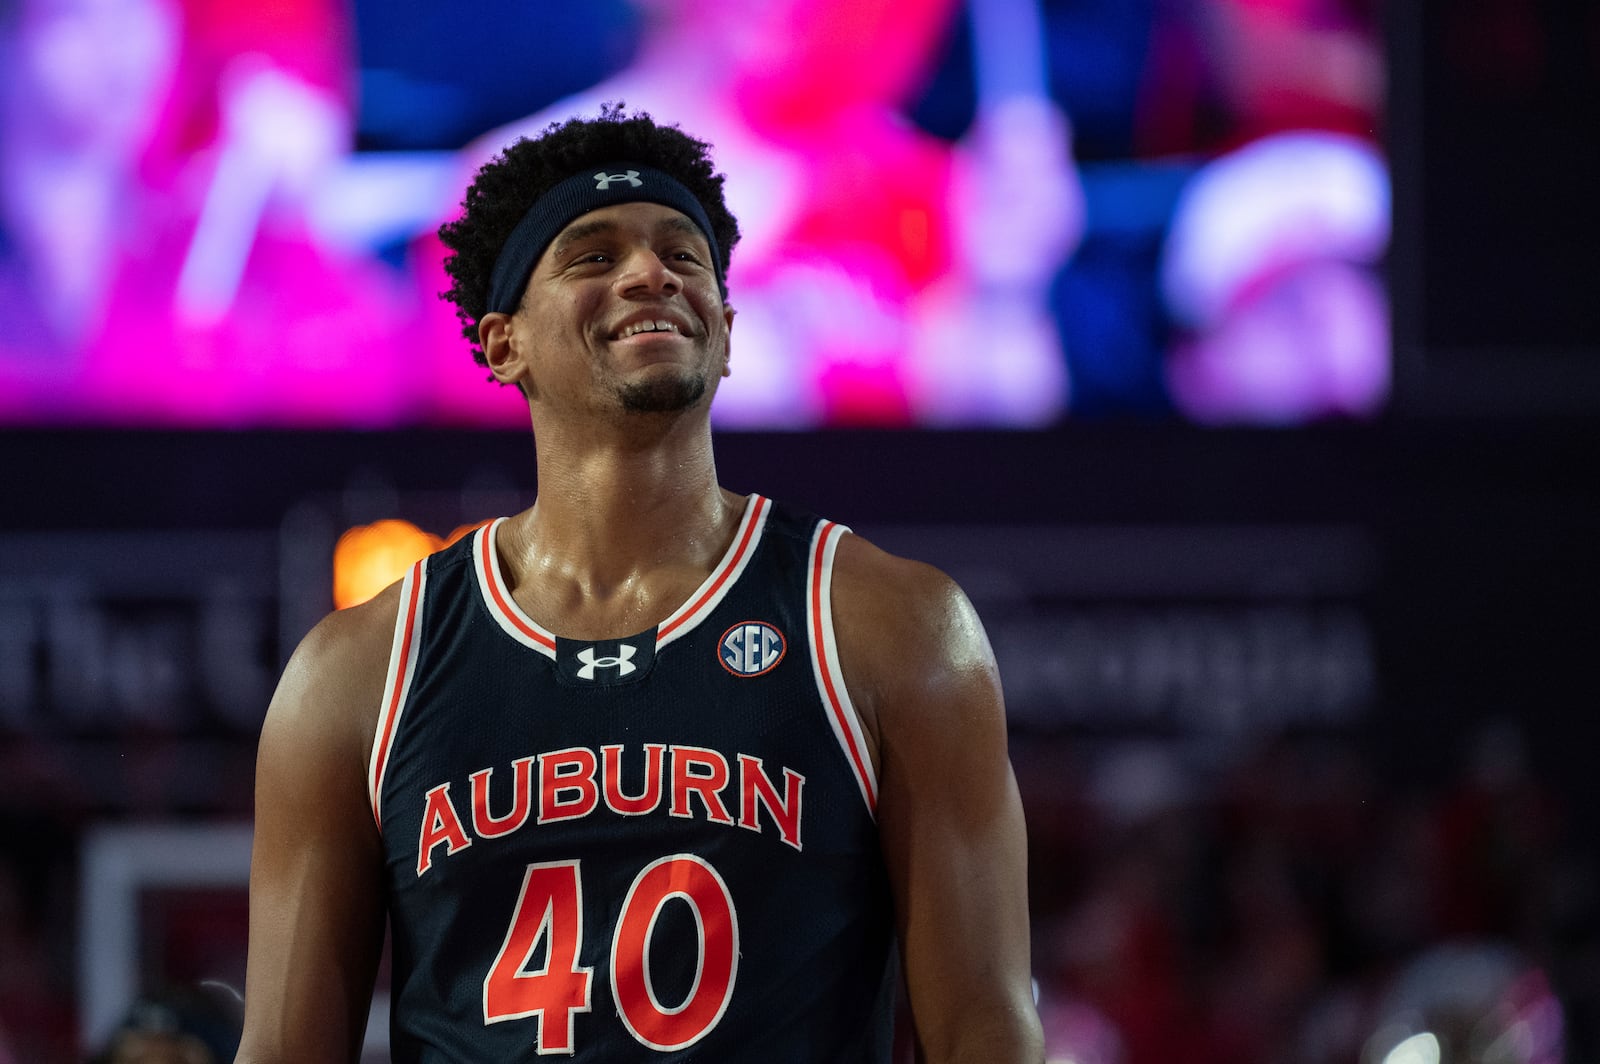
623,315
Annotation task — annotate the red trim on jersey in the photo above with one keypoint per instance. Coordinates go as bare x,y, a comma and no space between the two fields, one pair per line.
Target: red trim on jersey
835,704
501,600
391,708
729,564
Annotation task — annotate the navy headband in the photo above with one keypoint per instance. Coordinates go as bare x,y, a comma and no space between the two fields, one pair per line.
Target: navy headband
578,195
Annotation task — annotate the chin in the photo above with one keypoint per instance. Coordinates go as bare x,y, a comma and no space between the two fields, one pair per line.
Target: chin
663,395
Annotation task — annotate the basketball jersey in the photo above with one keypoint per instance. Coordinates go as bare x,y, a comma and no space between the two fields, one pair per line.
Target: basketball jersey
656,848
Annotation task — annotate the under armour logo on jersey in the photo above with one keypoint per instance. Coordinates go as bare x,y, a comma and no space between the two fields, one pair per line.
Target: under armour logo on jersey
751,648
622,661
602,180
629,659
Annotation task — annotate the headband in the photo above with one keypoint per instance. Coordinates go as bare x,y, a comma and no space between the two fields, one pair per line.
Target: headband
578,195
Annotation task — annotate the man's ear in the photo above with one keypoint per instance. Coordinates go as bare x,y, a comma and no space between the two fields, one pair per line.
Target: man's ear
727,351
494,336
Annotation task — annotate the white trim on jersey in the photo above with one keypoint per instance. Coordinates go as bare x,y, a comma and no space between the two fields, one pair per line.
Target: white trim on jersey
842,715
525,630
397,684
502,607
715,587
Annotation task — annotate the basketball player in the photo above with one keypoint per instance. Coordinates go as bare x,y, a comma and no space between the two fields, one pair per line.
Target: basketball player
651,770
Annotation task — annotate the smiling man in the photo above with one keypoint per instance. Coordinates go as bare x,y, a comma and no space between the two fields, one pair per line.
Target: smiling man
651,770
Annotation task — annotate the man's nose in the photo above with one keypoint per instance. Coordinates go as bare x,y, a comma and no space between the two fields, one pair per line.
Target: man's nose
643,269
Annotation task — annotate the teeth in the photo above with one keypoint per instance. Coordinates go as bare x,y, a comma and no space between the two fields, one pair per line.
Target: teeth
647,326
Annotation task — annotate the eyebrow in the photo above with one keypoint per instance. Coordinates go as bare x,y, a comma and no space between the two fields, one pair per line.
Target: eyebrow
578,232
581,231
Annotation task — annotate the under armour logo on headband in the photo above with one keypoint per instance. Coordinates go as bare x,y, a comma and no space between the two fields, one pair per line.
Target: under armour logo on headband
587,190
602,180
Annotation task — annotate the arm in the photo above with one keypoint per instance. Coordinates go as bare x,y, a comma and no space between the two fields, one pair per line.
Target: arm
921,673
317,907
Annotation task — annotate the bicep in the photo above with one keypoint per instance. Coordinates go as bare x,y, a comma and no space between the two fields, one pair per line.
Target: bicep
316,886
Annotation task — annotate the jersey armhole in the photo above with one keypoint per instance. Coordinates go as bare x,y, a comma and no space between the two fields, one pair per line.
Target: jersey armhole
841,712
397,684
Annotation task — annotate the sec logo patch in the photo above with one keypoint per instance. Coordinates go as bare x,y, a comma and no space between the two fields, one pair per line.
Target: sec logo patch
751,648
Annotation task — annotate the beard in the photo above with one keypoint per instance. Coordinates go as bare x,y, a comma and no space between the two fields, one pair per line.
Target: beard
666,395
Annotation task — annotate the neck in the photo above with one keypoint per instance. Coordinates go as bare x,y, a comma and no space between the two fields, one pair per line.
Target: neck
626,521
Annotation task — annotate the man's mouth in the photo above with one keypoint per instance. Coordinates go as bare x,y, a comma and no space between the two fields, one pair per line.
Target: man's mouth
658,325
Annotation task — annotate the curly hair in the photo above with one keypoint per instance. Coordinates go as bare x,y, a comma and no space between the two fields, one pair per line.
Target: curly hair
506,186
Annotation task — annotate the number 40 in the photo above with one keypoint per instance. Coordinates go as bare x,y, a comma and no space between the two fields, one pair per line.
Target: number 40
550,909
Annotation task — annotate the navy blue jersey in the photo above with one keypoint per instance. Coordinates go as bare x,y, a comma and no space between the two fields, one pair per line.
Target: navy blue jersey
660,847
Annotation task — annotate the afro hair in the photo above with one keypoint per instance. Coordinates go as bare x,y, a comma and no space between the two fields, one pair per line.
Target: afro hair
506,186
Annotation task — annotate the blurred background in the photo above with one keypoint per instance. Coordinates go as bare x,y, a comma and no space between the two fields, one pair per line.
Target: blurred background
1239,357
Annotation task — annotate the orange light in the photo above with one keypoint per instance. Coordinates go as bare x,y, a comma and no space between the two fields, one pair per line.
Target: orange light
369,558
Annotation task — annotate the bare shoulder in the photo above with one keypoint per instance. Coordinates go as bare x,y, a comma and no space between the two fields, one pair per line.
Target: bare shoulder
332,687
911,604
909,638
316,743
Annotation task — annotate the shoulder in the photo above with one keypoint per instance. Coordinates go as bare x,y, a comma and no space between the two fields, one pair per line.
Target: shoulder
909,639
346,645
332,686
907,595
